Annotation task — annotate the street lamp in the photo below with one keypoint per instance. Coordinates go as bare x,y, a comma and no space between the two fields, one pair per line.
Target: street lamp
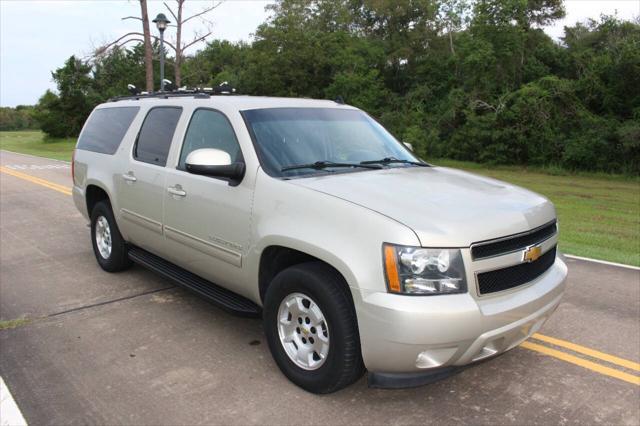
161,22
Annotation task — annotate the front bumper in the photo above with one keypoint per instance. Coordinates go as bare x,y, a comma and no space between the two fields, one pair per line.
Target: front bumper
430,334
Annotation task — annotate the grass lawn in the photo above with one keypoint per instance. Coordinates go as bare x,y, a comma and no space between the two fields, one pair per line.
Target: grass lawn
34,143
599,215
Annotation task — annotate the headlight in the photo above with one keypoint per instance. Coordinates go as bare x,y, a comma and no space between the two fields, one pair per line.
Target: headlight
424,271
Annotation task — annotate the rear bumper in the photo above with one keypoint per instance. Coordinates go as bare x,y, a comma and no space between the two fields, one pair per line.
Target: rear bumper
79,201
424,335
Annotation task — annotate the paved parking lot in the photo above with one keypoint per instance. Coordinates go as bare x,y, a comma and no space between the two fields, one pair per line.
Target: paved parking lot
96,348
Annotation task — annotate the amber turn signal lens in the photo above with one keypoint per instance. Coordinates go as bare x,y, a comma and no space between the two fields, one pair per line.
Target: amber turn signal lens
391,269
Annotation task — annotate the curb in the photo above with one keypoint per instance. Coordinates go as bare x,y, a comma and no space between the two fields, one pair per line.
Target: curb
602,262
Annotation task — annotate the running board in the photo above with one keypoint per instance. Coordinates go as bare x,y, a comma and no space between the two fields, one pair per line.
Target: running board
215,294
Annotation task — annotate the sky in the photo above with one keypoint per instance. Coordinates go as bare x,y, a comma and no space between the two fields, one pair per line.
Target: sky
36,37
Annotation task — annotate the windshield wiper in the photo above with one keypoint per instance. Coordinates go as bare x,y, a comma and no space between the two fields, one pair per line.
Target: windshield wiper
392,160
319,165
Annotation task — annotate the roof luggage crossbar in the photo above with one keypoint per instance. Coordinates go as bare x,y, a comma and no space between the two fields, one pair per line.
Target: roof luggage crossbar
196,92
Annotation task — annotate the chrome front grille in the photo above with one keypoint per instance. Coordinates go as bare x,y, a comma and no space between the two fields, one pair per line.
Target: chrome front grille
512,261
514,276
512,243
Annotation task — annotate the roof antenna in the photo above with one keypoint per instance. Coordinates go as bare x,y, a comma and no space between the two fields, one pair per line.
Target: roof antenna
133,89
339,100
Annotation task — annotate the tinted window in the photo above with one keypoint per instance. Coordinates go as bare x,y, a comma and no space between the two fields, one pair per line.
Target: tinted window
156,134
105,129
209,129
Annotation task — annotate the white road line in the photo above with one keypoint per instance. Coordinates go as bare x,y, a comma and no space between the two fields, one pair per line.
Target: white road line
37,166
10,414
34,156
603,262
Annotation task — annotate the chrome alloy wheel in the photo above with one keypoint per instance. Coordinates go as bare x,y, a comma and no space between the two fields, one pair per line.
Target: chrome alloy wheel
103,237
303,331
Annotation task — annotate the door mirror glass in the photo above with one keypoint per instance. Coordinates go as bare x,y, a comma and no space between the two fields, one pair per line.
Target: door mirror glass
213,162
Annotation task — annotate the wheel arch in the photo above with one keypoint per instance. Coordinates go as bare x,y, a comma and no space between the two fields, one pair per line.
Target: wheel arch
278,256
94,194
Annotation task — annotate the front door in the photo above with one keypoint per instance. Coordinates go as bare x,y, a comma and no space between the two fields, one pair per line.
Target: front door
142,182
206,218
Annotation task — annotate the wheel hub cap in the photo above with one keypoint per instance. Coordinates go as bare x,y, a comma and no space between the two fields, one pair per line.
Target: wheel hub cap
303,331
103,237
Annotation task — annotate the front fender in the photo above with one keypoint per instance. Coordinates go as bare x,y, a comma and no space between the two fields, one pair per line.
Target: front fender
345,235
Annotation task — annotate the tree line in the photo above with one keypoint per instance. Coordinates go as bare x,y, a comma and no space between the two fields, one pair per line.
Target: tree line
18,118
467,80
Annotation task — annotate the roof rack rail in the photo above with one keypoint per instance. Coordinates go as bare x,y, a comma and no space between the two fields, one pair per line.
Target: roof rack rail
196,92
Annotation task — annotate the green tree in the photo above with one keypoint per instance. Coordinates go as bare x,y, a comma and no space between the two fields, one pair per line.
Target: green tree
112,72
471,80
63,114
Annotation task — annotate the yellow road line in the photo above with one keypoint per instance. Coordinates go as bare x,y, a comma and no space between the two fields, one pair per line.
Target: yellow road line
56,187
607,371
590,352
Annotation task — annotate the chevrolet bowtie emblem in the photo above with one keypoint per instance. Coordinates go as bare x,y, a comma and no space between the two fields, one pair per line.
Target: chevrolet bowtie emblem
531,254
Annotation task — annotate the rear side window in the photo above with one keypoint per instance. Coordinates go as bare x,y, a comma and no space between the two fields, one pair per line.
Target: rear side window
156,134
105,129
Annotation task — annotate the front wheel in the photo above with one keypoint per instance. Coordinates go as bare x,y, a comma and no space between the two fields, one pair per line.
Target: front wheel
311,328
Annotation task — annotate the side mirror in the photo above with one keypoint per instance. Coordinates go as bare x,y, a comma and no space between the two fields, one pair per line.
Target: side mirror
408,145
213,162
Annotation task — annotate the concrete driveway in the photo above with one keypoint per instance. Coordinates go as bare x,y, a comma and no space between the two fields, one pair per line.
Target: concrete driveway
81,346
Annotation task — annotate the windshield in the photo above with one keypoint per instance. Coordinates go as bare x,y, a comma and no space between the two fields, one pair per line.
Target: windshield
287,137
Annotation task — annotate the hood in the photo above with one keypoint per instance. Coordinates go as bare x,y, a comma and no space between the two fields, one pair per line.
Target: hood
444,207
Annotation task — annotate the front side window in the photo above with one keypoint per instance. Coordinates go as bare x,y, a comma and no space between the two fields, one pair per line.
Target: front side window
105,129
154,139
287,137
209,129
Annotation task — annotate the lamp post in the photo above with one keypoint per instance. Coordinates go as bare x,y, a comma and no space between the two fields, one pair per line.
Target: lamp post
161,22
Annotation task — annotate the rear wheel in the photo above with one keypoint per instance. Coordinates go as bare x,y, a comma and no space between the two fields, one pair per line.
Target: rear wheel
109,247
311,328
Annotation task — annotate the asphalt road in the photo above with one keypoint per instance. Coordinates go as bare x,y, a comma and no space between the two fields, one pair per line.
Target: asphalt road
129,348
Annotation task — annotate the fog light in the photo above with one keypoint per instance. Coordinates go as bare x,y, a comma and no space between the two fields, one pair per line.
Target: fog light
433,358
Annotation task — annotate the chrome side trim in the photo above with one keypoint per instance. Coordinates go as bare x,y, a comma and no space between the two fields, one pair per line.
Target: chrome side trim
143,221
206,247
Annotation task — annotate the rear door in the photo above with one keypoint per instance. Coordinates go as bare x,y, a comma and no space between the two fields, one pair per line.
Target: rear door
207,218
142,183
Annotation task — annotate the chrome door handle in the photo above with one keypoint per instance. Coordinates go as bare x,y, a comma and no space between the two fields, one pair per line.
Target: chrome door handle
176,190
129,177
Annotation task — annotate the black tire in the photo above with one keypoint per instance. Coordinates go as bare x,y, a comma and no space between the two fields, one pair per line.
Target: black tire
323,284
118,259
